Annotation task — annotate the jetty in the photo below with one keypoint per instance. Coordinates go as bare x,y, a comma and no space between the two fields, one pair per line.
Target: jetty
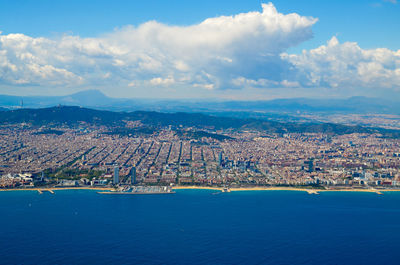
48,190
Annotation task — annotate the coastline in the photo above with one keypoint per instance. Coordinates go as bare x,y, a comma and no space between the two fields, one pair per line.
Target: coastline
196,188
57,188
310,191
222,189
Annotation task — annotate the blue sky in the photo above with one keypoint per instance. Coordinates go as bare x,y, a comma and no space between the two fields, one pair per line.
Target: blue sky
372,24
368,25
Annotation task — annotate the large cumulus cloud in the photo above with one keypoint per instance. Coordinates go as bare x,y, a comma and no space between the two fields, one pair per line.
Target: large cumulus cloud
248,50
211,55
346,65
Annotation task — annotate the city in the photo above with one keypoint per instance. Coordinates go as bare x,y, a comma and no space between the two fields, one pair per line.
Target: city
89,157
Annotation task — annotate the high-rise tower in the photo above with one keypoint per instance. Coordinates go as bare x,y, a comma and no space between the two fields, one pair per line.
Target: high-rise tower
133,175
116,175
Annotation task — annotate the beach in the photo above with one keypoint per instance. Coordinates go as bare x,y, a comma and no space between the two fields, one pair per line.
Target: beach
57,188
310,191
222,189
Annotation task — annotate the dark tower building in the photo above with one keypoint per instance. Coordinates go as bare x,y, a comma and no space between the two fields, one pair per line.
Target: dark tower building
116,175
220,158
310,165
133,176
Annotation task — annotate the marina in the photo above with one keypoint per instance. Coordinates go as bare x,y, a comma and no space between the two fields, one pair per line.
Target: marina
136,190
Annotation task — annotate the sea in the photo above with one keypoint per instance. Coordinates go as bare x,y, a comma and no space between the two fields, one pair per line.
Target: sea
199,227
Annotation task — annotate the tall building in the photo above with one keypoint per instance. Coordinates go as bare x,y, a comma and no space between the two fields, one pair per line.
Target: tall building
311,165
133,175
116,175
220,158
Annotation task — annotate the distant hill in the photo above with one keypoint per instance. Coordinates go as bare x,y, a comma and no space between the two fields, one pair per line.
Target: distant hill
84,98
350,105
87,98
96,99
61,115
76,115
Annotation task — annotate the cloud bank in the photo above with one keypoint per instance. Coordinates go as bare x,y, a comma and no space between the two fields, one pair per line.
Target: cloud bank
228,52
347,66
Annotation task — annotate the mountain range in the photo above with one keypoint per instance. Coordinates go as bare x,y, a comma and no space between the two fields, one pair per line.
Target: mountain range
76,116
97,100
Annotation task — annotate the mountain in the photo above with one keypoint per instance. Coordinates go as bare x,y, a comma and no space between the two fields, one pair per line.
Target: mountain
84,98
87,98
73,116
305,105
292,107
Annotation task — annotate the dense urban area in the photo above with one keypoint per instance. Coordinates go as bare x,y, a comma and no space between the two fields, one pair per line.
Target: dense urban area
90,156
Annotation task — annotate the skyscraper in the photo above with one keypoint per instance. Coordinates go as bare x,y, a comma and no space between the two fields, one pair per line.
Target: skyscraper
220,158
311,165
133,175
116,175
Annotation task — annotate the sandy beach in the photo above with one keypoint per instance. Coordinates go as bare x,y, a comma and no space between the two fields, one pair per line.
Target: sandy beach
310,191
57,188
195,188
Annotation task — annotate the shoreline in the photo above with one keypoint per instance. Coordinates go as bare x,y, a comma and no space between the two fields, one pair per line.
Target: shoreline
310,191
221,189
57,188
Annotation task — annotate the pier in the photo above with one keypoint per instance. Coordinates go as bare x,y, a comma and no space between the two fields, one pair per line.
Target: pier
48,190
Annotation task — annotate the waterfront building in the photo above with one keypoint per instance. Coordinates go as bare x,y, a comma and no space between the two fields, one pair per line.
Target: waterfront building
116,175
133,175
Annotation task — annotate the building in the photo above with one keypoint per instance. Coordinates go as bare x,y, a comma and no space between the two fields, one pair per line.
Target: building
116,175
311,167
133,175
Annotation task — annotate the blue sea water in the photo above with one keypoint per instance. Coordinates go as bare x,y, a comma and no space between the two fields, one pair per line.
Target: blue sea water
199,227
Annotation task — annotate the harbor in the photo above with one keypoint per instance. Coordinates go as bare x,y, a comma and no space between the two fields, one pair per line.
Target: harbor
136,190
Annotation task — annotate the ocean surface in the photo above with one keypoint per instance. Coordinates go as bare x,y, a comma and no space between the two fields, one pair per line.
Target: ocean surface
199,227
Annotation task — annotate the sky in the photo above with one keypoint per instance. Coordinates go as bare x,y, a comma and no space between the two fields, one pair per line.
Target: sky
201,49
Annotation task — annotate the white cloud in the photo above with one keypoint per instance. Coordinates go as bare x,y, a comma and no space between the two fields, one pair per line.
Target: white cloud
162,81
286,83
26,60
347,66
244,51
208,55
244,82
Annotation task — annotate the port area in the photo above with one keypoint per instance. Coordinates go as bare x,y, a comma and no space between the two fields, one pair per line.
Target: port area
136,190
